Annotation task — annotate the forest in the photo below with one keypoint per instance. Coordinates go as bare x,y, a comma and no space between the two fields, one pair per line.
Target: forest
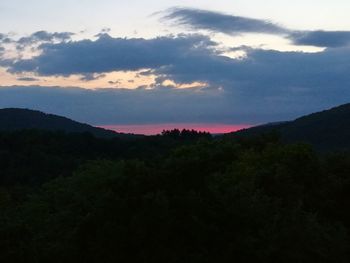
182,196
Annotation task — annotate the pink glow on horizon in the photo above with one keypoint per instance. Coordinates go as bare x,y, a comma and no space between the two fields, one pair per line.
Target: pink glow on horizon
152,129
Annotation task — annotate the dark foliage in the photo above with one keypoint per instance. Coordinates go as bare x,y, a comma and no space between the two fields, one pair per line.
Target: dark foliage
327,130
24,119
179,197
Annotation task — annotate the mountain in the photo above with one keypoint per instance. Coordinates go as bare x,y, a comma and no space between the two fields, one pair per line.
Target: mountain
328,130
12,119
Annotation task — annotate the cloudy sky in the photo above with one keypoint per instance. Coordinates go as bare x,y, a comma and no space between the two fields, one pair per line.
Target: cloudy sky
206,64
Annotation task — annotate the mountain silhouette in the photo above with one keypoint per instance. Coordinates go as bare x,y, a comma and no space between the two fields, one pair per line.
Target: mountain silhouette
13,119
327,130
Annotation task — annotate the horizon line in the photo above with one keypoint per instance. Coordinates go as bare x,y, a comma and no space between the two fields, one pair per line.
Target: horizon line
154,129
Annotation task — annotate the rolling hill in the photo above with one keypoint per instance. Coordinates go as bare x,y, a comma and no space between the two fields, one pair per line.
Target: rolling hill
12,119
327,130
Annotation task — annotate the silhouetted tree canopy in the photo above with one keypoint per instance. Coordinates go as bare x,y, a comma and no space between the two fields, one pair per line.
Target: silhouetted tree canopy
182,196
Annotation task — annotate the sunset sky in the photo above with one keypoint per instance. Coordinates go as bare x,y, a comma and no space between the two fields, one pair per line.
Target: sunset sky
141,66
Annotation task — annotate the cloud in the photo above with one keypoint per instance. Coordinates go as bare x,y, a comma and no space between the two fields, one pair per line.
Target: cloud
5,39
92,76
116,82
215,21
233,25
321,38
241,102
263,86
108,54
39,38
271,75
27,79
23,46
104,31
36,38
266,85
44,36
123,106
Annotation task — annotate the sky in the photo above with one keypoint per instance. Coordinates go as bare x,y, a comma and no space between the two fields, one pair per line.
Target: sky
139,66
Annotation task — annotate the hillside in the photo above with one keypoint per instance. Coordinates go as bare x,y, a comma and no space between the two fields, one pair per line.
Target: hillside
326,130
12,119
182,196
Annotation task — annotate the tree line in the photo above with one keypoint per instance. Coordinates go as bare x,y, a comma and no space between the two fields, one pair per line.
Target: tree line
182,196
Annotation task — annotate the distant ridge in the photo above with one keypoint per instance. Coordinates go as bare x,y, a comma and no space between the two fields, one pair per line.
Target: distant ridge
13,119
327,130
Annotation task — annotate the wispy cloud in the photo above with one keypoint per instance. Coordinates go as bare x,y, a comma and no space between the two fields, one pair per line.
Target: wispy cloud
28,79
234,25
215,21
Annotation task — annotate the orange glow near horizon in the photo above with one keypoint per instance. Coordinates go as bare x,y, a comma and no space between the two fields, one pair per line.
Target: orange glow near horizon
117,79
153,129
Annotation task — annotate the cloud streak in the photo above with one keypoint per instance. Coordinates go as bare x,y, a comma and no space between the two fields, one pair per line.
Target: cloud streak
332,39
234,25
28,79
214,21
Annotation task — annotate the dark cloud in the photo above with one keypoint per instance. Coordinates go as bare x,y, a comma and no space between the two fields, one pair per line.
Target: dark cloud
249,105
5,62
233,25
270,74
108,54
117,82
215,21
5,39
29,79
106,30
279,84
264,86
103,31
321,38
44,36
92,76
39,38
123,106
